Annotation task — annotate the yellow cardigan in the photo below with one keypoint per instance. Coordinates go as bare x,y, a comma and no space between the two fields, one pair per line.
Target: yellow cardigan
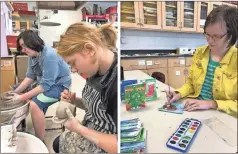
225,79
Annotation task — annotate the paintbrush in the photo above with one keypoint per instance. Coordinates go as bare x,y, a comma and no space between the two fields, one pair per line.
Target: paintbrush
168,96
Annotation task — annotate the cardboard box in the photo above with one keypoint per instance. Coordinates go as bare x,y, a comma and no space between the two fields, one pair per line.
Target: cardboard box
20,6
8,73
22,63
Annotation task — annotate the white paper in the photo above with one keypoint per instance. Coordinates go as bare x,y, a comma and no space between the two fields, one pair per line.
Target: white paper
7,63
177,73
141,62
182,62
149,63
202,22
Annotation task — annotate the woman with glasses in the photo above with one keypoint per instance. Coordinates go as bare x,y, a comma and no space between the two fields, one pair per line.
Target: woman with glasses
51,73
212,81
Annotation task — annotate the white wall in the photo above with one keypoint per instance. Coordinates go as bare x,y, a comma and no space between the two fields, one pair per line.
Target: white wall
66,18
138,39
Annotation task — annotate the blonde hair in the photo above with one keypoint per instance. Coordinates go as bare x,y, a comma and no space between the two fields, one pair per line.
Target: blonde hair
78,34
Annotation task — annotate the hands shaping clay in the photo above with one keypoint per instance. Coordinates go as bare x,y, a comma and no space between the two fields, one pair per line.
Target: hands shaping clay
5,102
61,115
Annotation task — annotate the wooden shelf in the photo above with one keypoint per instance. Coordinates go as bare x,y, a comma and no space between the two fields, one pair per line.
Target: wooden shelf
206,5
188,9
154,3
171,17
126,7
172,6
128,12
150,15
188,19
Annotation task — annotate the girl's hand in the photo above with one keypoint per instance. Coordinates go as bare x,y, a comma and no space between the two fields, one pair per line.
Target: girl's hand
68,96
194,104
172,96
72,123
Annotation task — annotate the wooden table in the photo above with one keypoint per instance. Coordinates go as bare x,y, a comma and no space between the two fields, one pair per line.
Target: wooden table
161,125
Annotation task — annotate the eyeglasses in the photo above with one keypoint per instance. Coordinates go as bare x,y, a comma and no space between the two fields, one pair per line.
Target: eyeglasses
215,37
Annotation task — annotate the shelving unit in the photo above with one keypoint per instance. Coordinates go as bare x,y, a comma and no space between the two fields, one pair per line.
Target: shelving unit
175,16
104,16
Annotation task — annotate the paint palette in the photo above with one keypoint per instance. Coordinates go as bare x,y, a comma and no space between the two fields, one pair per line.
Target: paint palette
182,139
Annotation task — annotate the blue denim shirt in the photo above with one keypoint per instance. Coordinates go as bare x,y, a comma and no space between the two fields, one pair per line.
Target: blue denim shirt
49,69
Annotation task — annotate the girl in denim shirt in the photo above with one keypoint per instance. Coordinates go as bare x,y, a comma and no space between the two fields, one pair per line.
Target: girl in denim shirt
50,72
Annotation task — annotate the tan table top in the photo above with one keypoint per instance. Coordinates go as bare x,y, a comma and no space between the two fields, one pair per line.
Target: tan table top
161,125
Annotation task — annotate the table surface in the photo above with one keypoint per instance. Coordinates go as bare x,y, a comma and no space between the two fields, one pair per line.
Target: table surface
161,125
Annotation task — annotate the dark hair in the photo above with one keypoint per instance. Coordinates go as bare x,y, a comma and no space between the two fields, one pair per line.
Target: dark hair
31,40
229,15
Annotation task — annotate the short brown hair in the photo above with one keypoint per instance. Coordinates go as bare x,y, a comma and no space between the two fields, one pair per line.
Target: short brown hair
78,34
31,40
229,15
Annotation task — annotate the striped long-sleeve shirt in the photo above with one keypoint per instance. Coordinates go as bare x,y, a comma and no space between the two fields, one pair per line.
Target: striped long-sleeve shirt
206,92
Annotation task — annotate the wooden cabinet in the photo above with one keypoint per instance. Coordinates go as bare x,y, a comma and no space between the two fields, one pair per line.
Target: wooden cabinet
144,15
176,62
179,16
171,15
130,16
150,15
162,70
176,70
133,64
204,9
176,76
189,61
155,63
8,73
189,16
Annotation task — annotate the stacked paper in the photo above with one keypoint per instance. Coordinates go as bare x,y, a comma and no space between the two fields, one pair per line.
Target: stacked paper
133,136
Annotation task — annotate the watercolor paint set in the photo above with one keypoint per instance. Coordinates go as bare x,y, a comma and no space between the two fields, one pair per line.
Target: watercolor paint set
182,139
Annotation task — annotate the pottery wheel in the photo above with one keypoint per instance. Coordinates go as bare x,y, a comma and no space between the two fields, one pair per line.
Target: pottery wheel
5,118
5,107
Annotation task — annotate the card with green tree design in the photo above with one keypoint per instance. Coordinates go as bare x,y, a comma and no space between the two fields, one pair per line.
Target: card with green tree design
135,96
